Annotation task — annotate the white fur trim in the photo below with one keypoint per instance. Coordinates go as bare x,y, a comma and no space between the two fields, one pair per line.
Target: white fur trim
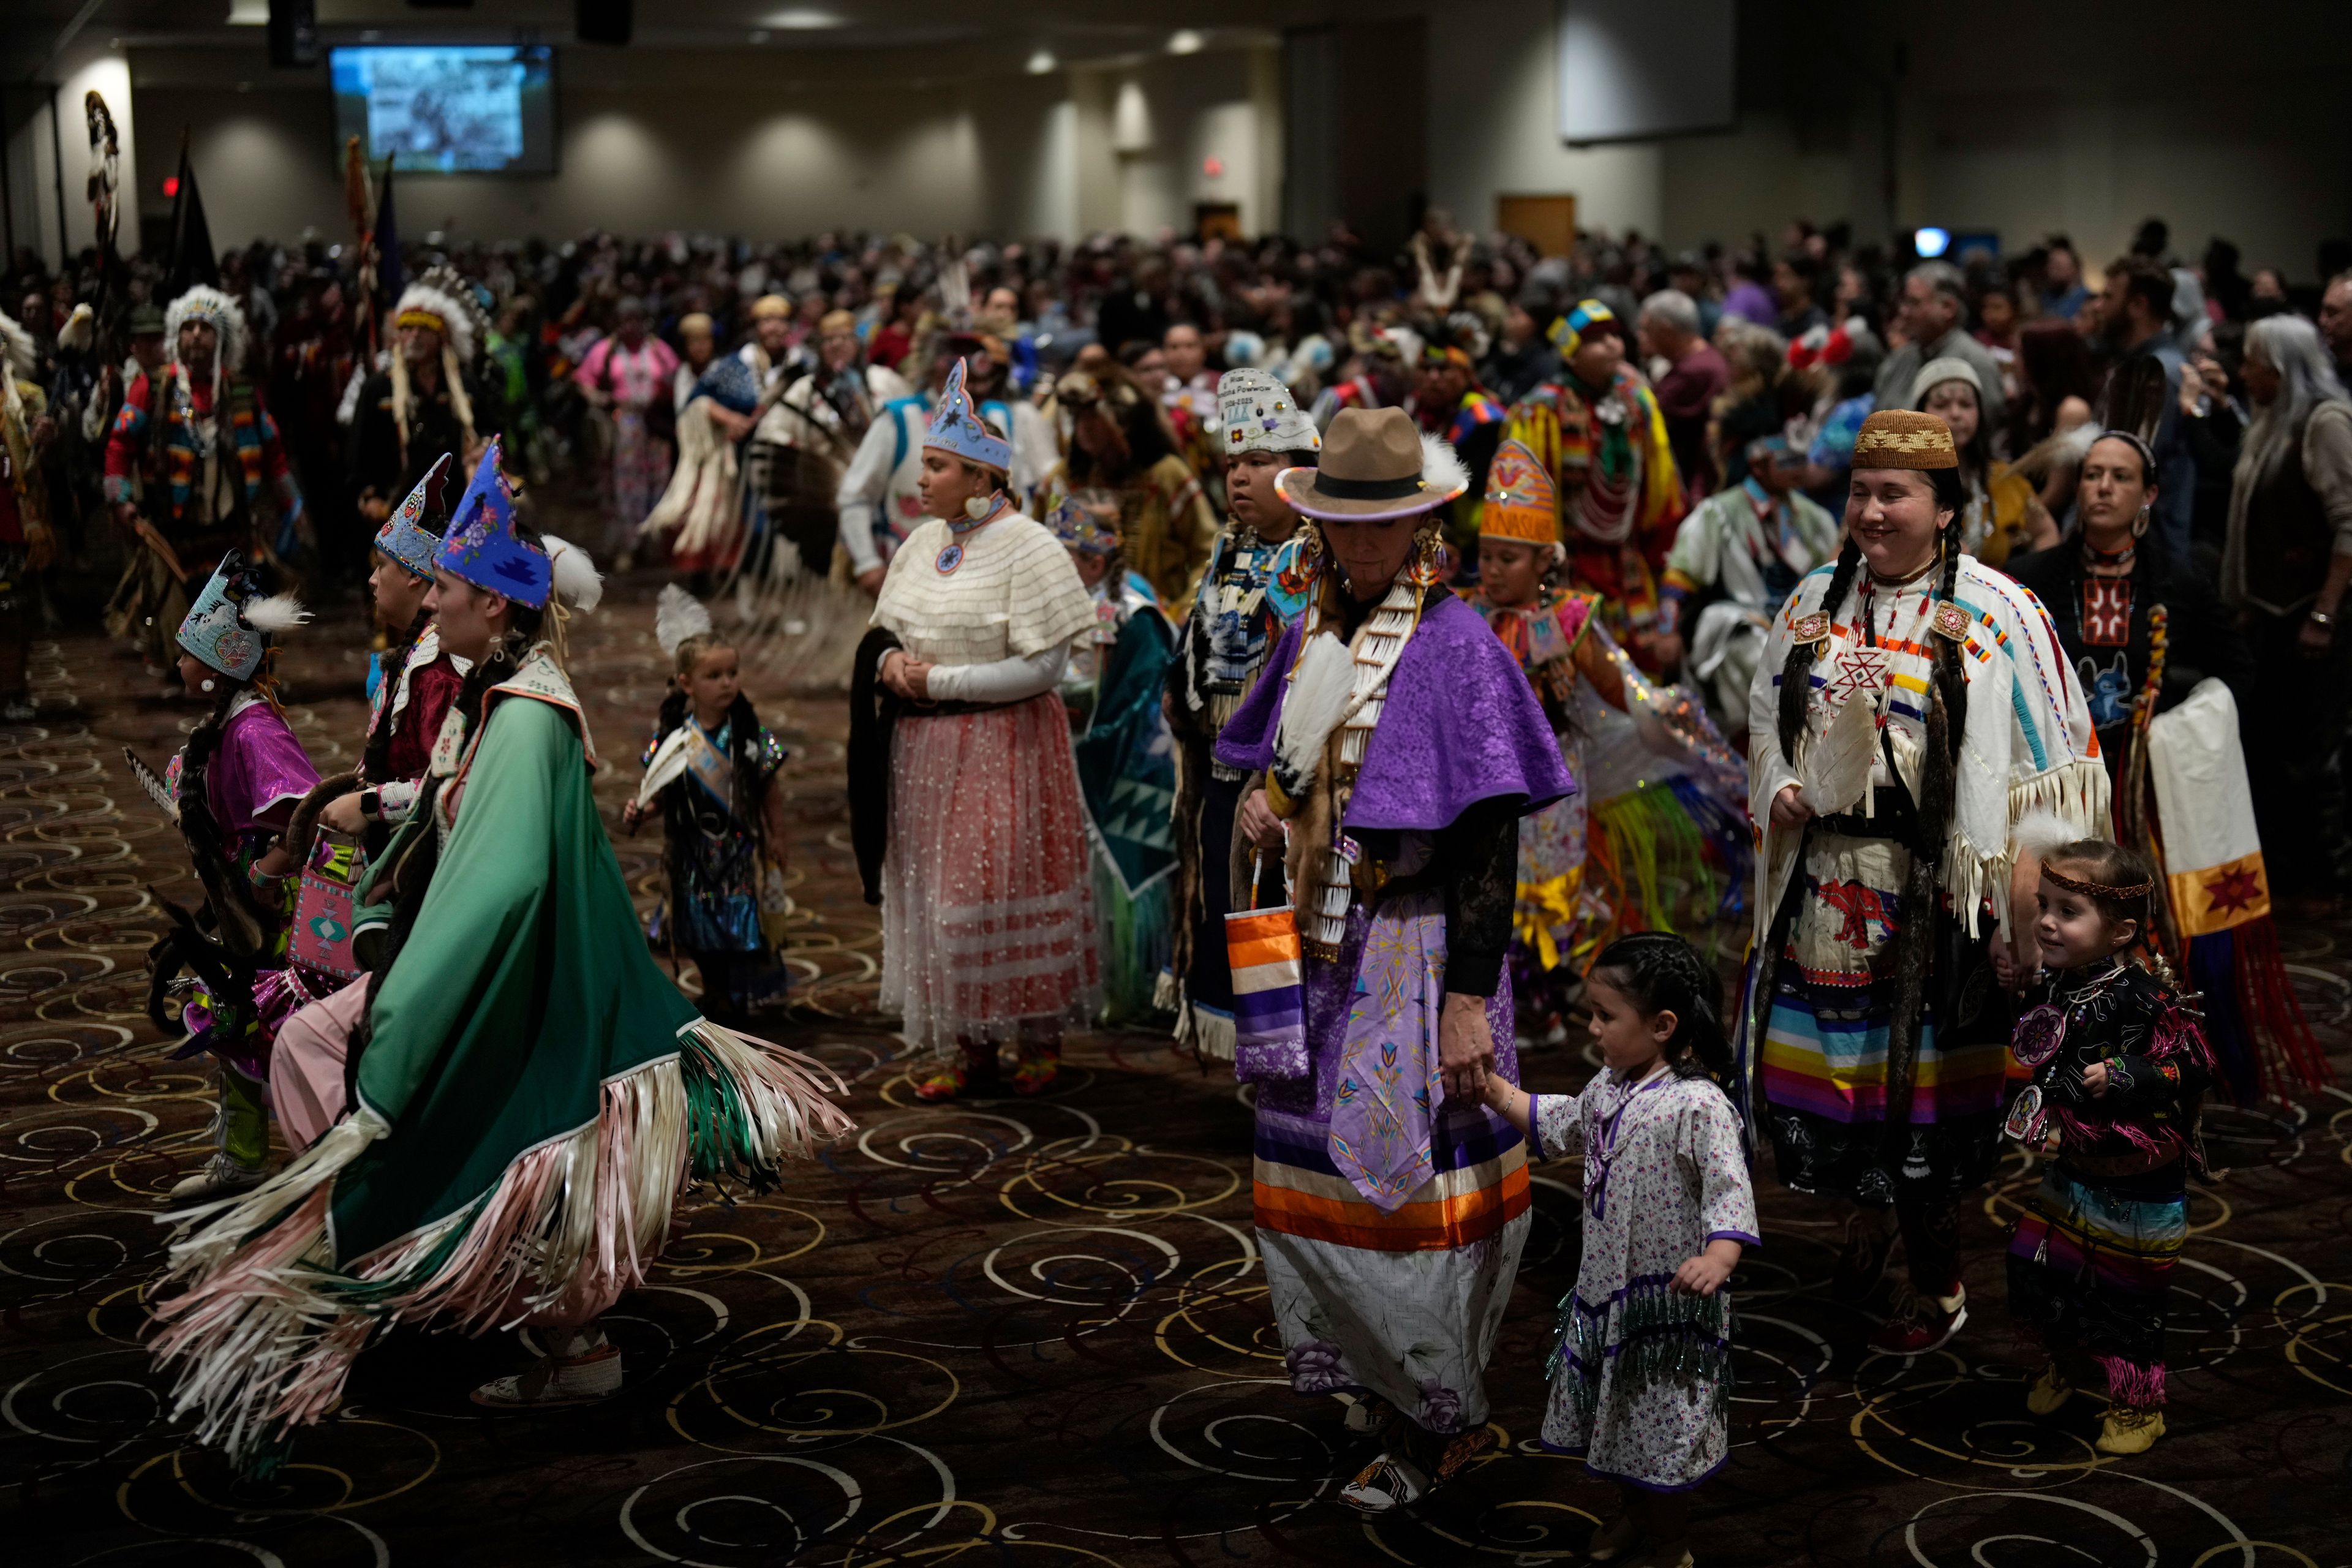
1441,468
226,316
576,577
1320,688
276,615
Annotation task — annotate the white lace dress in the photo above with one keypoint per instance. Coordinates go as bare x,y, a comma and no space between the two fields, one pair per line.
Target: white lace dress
1641,1377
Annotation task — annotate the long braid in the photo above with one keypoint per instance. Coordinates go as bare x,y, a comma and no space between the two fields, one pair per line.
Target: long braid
1915,943
1795,675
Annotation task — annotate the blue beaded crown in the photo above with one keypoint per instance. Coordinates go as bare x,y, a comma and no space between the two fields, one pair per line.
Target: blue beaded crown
406,536
482,546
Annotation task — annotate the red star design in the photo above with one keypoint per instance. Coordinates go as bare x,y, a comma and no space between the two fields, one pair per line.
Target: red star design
2233,890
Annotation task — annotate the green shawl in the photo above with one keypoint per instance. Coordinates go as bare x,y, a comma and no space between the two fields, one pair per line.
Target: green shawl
534,1097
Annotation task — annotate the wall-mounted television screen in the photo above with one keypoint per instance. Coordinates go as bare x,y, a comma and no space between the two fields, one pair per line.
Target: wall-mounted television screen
453,109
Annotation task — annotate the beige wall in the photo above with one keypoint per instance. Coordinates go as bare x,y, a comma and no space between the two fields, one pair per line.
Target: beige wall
748,147
1493,124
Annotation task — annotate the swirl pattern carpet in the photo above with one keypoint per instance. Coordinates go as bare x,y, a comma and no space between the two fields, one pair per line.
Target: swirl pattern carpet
1024,1331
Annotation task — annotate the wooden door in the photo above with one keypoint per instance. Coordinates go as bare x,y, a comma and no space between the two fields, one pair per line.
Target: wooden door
1549,223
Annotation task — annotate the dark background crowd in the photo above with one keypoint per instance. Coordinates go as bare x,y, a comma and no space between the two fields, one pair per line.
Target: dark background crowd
1794,337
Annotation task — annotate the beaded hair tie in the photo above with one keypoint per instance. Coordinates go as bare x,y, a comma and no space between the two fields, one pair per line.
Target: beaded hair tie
2097,890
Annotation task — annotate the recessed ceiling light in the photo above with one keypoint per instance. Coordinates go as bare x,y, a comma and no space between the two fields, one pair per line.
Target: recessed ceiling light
248,13
801,19
1042,62
1184,42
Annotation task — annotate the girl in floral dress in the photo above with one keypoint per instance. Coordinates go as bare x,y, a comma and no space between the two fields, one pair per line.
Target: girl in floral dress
1641,1374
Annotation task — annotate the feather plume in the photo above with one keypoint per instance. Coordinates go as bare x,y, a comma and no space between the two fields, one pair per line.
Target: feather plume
80,328
276,615
677,615
1319,689
2041,833
576,577
1441,468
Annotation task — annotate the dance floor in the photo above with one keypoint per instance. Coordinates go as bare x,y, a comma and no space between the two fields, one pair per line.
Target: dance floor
1024,1331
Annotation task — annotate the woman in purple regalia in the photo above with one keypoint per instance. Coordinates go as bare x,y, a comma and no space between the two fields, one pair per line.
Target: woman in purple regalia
1399,749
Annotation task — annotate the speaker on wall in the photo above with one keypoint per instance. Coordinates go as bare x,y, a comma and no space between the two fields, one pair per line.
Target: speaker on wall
293,33
605,21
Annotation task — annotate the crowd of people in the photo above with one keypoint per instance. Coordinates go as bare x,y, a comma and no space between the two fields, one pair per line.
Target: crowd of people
1375,664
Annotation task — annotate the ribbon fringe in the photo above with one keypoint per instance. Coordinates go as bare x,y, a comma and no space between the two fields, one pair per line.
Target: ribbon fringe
267,1330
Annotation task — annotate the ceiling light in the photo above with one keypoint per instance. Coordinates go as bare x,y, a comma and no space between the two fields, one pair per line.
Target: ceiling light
1184,42
1042,62
800,19
248,13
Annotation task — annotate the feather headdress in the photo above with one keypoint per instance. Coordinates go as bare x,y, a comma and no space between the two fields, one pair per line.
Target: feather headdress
216,311
443,299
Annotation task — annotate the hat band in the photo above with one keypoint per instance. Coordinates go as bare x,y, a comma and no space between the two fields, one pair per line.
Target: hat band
1326,484
413,316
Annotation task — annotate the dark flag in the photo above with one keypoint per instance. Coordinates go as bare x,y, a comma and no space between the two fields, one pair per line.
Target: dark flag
193,259
387,244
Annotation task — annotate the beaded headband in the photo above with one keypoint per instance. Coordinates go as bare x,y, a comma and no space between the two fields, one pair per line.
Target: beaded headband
2097,890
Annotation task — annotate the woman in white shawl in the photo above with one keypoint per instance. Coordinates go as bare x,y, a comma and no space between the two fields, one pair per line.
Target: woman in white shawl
1912,710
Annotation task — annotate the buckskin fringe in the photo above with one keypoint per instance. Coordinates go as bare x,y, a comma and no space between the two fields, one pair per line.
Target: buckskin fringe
266,1333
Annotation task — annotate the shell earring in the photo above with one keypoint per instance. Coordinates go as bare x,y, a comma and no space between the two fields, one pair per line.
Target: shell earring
2139,524
205,684
977,507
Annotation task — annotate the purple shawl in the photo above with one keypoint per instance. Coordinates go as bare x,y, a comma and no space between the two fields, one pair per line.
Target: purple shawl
257,765
1461,725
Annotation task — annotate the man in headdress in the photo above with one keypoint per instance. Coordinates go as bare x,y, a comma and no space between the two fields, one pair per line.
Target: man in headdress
428,403
191,451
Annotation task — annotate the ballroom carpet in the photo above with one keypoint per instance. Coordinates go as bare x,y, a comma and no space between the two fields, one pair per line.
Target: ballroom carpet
1022,1332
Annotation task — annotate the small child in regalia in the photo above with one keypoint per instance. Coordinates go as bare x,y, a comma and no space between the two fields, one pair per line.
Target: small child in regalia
711,773
2119,1066
1640,1371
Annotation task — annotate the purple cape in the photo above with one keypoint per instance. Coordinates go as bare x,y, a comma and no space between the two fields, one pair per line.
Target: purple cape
1461,725
257,763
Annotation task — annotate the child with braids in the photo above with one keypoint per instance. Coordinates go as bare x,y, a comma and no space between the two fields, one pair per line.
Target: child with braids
2119,1066
1641,1377
711,773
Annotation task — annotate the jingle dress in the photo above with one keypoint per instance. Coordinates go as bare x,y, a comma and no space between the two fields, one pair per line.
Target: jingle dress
532,1097
2091,1258
1127,777
988,916
1830,895
1391,1222
1641,1377
1242,606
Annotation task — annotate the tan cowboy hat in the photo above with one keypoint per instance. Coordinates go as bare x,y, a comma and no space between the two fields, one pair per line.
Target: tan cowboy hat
1376,464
